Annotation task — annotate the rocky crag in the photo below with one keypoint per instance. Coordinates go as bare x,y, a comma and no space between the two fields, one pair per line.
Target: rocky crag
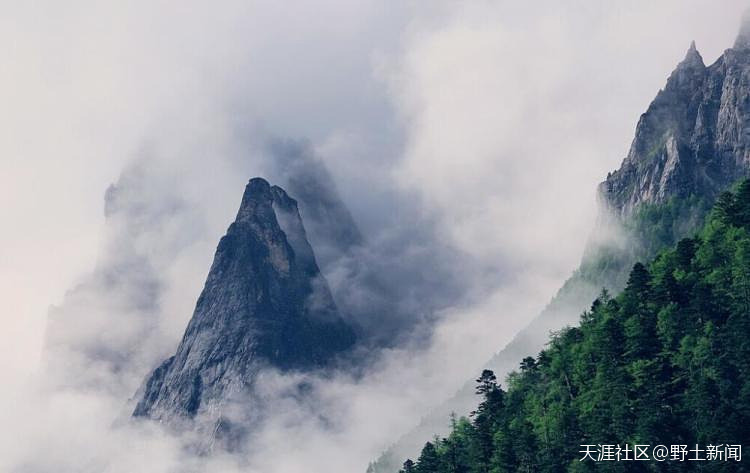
264,304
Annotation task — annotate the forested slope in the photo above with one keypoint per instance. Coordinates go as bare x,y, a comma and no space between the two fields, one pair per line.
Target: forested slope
665,362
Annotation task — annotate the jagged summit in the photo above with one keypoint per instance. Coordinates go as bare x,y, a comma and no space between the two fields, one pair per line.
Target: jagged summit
264,303
694,139
692,58
263,201
687,74
255,200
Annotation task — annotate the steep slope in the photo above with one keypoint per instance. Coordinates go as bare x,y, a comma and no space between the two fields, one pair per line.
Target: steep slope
264,303
693,139
663,363
691,144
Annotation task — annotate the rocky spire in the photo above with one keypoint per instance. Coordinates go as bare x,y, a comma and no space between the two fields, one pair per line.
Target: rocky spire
693,58
685,78
264,303
693,139
689,72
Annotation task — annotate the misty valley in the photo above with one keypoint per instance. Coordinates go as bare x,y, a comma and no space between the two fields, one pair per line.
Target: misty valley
378,240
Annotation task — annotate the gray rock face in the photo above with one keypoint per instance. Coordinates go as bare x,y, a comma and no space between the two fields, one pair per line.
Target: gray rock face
694,139
264,303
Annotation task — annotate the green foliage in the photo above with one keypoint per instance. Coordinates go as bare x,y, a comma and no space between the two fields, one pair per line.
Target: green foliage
667,361
650,229
657,226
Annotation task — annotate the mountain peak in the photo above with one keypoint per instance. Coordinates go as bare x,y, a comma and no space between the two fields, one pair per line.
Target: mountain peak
693,59
743,37
264,303
694,139
256,198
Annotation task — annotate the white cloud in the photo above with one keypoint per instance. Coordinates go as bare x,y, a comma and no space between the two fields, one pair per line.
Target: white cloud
494,119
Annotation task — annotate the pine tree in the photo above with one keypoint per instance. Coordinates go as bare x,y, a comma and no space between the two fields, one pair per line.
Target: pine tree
428,461
486,418
409,467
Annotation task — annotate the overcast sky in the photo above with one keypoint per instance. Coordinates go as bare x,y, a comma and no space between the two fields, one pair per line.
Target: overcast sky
494,121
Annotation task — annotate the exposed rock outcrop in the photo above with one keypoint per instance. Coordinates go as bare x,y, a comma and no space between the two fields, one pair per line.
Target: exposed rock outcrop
264,303
694,139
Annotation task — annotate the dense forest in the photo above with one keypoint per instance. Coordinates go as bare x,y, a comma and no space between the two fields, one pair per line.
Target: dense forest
665,362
